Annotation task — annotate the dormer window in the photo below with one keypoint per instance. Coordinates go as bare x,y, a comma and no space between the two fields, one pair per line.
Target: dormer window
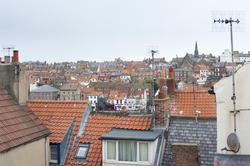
123,146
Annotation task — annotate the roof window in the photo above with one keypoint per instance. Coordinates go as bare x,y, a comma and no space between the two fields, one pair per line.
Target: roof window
82,151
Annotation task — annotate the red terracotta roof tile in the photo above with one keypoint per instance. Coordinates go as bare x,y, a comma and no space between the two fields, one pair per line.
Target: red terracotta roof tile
99,125
58,115
183,104
18,124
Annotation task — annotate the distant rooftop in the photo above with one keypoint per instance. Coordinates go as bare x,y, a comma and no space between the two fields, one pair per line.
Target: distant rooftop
45,88
68,89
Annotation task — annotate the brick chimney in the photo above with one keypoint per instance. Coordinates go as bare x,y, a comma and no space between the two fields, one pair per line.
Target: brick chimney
170,72
171,81
14,79
162,104
15,57
163,88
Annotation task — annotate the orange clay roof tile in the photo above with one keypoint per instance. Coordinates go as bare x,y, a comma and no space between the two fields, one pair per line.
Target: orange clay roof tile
99,125
58,115
184,101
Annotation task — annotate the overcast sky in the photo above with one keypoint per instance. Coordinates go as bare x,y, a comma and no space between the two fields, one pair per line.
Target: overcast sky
71,30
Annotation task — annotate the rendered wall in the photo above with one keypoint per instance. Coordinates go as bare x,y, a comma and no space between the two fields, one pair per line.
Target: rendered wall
30,154
13,77
225,123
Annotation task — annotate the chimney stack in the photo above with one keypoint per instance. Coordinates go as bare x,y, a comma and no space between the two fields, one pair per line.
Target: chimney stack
171,81
15,57
163,88
170,72
163,92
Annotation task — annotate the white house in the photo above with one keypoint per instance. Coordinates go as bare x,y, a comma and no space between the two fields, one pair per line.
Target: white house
93,98
226,56
125,78
225,118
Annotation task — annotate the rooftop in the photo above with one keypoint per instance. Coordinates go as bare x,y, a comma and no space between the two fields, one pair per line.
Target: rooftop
97,126
68,88
45,88
184,105
125,134
58,115
18,124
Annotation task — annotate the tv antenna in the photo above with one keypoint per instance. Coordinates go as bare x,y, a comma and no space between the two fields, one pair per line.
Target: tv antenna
153,52
232,140
230,21
8,49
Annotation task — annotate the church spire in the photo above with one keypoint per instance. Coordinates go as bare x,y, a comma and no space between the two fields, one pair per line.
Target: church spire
196,52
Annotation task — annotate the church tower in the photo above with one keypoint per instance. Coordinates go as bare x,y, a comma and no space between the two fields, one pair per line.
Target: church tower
196,53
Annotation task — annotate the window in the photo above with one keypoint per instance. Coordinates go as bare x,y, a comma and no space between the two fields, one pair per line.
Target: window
127,151
143,151
53,153
111,150
82,151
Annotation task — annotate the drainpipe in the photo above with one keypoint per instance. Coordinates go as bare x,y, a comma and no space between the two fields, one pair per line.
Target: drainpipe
46,151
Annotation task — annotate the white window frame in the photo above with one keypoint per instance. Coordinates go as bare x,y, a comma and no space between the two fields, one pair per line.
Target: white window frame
105,153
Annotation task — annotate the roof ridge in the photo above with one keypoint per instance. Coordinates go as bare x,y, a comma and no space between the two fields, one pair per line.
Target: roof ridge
57,101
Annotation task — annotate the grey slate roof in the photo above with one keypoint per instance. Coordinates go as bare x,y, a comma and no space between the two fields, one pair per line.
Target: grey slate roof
68,88
45,88
125,134
183,130
220,64
183,70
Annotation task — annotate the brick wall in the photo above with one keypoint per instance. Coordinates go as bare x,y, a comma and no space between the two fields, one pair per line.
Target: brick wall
184,155
183,130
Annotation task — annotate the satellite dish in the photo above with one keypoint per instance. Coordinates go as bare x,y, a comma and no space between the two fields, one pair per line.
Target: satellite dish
233,142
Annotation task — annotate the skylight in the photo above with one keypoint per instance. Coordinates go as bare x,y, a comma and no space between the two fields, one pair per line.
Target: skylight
82,151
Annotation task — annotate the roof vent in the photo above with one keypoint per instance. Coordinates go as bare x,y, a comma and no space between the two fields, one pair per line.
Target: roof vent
233,142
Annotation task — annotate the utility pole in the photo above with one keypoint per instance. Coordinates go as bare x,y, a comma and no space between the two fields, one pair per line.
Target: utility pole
230,21
153,91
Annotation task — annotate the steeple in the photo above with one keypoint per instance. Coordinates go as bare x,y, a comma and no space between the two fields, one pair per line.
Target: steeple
196,53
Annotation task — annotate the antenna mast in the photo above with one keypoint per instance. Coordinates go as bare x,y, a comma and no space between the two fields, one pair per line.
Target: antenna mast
8,48
153,80
231,21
